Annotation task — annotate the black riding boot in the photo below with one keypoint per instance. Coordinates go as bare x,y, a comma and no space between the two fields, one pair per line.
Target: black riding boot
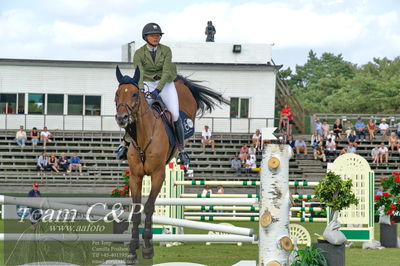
122,151
181,142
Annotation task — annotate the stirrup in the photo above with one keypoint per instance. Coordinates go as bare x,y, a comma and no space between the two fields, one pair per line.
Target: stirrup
184,158
121,153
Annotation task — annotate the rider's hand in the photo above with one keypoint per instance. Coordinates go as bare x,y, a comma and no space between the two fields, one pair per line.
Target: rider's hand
154,94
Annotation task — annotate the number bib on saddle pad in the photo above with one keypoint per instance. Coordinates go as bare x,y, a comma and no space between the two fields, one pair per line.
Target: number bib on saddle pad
188,128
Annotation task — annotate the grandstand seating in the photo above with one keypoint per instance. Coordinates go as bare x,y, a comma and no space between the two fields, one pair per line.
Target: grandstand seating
102,172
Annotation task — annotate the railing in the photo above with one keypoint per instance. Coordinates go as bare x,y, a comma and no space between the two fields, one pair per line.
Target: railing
107,123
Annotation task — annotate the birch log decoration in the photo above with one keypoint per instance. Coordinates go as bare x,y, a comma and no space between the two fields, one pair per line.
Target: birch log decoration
274,241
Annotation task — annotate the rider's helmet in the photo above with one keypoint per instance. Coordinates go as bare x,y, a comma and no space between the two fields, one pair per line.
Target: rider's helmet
151,28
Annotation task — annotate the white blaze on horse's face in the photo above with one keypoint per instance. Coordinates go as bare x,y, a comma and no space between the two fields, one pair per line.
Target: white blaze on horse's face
127,102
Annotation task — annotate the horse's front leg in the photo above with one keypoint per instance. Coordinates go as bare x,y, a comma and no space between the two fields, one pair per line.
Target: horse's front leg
157,180
135,184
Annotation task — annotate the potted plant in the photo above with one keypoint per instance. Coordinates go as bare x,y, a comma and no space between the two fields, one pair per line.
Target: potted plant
309,256
388,204
119,228
337,194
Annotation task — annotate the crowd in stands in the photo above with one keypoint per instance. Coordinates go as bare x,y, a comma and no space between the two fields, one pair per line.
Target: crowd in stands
44,162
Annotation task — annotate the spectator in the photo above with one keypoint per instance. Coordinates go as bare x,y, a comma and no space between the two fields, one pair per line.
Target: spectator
285,137
351,148
331,136
256,139
383,152
8,109
34,137
325,128
75,161
284,118
349,127
206,191
250,165
398,129
236,165
21,109
379,192
35,213
383,128
330,147
352,138
42,162
371,129
63,162
344,151
338,129
375,155
281,140
20,136
318,127
360,129
207,139
243,153
45,137
291,142
252,151
220,190
300,146
319,152
315,139
393,141
53,162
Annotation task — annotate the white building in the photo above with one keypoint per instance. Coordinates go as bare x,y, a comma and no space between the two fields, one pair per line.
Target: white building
75,95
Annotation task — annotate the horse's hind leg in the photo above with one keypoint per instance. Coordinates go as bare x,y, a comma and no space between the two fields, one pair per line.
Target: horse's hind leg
156,184
136,190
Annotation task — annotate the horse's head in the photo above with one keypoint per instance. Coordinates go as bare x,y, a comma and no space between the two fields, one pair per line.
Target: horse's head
127,98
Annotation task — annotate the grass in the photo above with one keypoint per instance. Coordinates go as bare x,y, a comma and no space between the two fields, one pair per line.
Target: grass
214,254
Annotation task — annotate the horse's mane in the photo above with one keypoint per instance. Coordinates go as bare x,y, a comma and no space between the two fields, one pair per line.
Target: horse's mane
204,96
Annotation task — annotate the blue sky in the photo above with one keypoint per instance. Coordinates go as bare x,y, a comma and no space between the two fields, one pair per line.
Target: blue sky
96,29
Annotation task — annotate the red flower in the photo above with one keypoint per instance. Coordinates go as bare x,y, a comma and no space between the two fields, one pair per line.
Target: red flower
304,199
377,197
390,211
126,187
122,193
386,194
114,190
397,179
127,172
396,173
392,206
392,222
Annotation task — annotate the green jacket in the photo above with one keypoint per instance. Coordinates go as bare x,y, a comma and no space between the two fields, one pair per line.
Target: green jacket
162,67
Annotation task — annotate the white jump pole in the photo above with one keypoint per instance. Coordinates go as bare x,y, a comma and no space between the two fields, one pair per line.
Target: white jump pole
125,215
159,201
126,237
275,243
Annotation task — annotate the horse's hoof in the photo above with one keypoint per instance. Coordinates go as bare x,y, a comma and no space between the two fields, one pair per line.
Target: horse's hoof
147,253
131,259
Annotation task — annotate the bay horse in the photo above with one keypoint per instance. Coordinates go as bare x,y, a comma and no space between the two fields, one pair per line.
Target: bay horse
150,149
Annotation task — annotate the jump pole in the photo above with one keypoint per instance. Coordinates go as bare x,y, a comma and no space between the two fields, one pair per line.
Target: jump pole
126,237
274,244
156,219
159,201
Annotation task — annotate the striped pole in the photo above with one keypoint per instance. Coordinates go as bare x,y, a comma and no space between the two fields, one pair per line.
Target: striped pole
127,237
221,213
303,196
243,208
240,219
220,196
240,183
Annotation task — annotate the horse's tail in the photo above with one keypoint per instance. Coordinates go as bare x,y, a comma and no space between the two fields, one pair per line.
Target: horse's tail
205,97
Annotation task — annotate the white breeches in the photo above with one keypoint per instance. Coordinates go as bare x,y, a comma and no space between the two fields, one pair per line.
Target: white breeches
168,94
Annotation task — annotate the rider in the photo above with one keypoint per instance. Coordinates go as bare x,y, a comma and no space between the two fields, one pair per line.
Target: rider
157,74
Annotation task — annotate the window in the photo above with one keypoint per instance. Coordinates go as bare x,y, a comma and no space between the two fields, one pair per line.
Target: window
8,102
55,104
75,104
21,103
92,105
239,108
36,103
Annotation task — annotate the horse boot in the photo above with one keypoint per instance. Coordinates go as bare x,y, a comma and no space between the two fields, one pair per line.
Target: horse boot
122,151
184,157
